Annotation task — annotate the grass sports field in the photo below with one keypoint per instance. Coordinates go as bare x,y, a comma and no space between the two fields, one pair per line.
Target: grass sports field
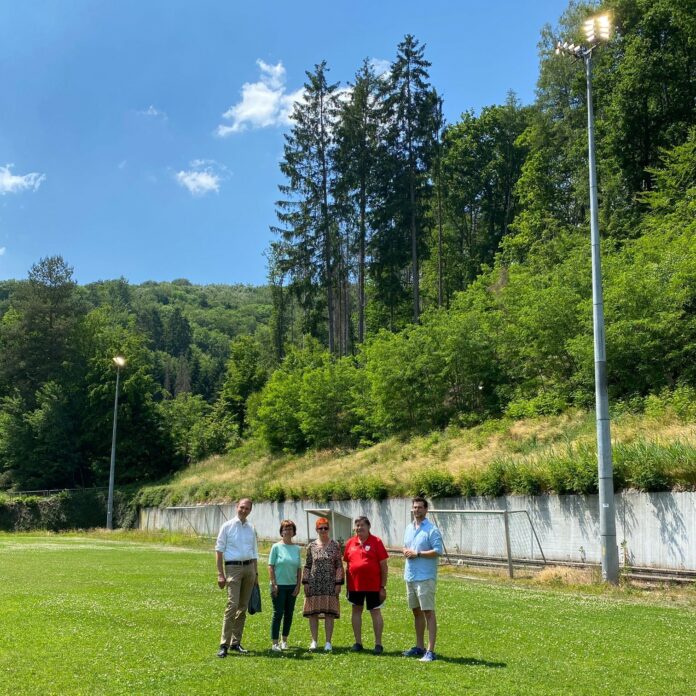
129,614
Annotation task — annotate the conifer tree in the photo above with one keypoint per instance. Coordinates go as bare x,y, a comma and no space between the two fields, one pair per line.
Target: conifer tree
356,160
307,231
410,106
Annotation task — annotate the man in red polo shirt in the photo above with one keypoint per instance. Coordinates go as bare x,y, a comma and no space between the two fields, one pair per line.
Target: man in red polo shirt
366,571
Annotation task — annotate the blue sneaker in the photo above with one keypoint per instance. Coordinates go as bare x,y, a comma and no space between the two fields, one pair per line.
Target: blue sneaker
414,652
428,657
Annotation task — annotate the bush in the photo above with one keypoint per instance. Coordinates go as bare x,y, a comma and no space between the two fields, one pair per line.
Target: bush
491,481
274,492
467,485
66,510
545,404
582,470
369,488
433,483
524,479
643,466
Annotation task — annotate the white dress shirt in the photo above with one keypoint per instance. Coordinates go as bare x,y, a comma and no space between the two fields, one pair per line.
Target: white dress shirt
237,541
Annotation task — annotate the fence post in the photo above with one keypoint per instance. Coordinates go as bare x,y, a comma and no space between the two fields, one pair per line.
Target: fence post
508,550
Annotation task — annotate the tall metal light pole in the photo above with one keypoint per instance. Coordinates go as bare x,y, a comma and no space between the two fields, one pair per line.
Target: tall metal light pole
597,28
120,362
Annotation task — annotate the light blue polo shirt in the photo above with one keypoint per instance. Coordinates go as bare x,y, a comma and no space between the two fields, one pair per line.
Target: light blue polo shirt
424,538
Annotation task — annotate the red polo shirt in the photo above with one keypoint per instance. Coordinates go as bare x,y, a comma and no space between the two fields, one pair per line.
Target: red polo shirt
364,574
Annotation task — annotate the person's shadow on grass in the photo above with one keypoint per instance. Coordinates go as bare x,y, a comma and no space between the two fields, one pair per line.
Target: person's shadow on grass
466,661
470,662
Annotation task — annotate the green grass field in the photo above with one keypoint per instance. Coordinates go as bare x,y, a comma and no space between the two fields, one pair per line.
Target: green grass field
127,614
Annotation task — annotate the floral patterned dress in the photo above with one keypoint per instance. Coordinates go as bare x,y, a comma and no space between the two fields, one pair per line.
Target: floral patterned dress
323,570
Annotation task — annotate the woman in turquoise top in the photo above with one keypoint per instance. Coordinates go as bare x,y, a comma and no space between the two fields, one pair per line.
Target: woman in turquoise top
286,580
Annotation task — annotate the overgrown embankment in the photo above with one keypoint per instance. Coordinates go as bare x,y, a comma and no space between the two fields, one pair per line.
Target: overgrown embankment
654,450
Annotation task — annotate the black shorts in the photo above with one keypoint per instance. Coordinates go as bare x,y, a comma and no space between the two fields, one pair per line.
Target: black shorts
359,599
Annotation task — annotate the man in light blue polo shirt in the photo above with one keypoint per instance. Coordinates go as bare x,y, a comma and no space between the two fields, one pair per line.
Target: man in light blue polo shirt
422,551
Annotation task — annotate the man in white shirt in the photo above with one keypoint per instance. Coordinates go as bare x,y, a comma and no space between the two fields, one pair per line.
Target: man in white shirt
236,555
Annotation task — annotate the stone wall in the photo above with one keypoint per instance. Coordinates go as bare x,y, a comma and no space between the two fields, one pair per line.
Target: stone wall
652,529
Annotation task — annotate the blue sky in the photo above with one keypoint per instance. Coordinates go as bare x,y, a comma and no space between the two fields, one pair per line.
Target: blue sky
141,138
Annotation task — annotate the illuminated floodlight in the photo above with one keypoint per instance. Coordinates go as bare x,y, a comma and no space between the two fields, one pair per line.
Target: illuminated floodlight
120,361
597,26
589,27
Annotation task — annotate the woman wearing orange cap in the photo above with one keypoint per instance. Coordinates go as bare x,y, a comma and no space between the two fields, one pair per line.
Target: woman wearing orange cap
322,579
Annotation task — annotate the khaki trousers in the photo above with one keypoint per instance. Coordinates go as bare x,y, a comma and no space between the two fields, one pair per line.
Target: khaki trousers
240,581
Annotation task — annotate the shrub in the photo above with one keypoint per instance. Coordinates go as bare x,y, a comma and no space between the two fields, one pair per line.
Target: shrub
643,465
545,404
467,485
524,479
582,471
369,488
492,480
340,491
66,510
433,483
274,492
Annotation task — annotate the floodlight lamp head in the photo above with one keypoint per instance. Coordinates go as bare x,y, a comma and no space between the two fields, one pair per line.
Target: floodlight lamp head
597,27
119,361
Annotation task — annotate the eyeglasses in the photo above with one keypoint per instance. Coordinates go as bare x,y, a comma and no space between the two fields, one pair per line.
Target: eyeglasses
322,529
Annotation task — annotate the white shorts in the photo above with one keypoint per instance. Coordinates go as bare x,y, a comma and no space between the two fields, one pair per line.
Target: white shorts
421,594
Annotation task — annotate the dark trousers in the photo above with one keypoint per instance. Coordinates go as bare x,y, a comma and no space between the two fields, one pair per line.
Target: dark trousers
283,607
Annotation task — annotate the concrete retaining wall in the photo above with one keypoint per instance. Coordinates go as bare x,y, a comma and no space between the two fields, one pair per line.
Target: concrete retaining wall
653,529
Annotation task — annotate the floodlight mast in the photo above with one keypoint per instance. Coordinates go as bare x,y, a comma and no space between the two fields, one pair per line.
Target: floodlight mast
120,362
599,27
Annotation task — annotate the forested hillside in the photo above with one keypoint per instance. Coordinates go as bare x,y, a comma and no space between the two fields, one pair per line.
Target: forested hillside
422,274
57,377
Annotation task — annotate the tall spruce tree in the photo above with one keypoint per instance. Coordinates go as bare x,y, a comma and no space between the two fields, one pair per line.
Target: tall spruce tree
411,106
307,230
356,160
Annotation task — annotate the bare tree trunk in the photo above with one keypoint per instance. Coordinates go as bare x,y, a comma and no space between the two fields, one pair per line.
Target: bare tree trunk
361,265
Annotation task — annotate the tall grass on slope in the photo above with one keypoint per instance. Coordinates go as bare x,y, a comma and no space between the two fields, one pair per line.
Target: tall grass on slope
642,465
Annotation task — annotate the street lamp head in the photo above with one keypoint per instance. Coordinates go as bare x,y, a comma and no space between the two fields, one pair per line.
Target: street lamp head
119,361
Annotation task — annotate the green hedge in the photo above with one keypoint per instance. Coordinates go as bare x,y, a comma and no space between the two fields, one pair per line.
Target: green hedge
65,510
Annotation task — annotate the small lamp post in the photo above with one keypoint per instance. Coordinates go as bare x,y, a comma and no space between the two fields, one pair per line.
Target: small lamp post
598,29
120,362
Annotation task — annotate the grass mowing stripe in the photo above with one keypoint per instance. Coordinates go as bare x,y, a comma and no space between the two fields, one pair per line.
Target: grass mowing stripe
89,617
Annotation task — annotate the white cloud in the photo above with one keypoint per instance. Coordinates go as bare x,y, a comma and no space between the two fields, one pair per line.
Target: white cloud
15,183
2,251
264,103
202,177
380,66
153,112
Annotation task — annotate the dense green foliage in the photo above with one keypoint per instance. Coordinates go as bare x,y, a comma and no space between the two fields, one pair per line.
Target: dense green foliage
423,274
194,354
139,615
494,211
84,509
